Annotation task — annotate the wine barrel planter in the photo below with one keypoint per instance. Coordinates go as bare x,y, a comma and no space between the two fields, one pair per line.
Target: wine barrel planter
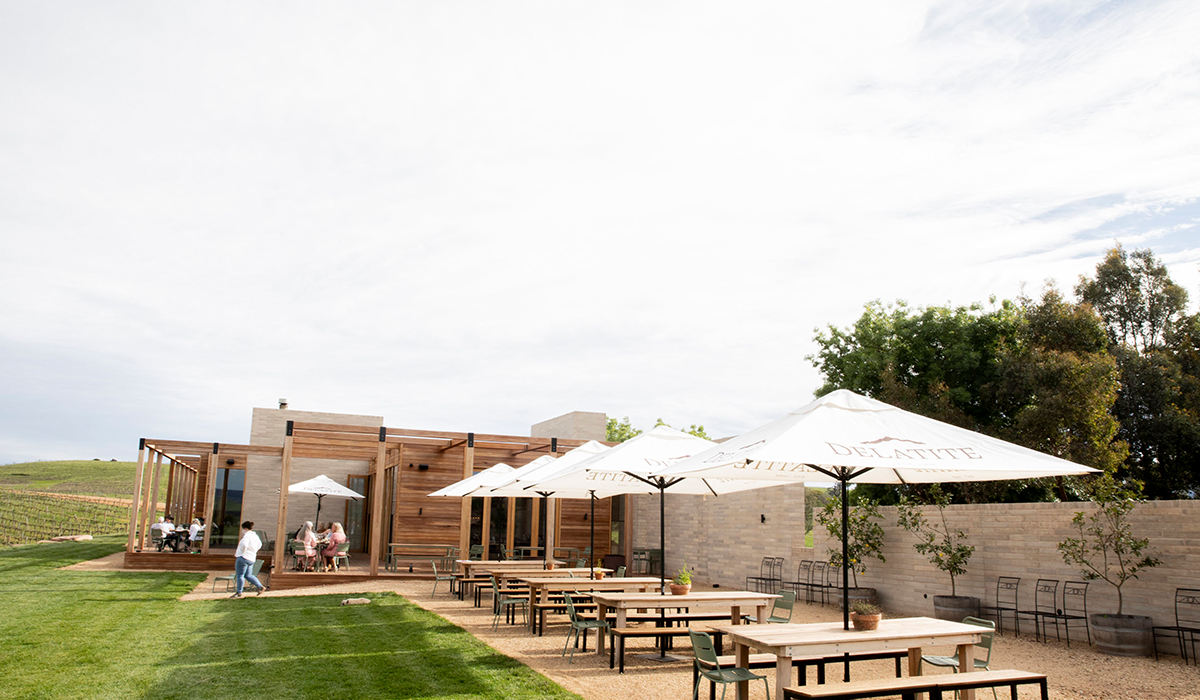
955,607
1123,635
864,595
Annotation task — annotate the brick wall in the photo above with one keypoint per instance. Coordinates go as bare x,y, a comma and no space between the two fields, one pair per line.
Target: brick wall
1021,540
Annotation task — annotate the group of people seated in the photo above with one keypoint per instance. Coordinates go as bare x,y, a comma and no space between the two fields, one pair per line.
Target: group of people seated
324,542
177,538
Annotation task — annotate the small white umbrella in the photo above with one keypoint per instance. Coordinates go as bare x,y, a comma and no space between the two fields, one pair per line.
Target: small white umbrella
854,439
323,486
484,479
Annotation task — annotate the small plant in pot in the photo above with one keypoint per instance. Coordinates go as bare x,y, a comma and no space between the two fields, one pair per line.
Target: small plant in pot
864,540
946,548
682,583
865,616
1107,550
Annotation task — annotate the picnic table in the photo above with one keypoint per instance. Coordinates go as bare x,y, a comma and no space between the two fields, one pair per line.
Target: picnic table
540,587
621,603
828,638
471,567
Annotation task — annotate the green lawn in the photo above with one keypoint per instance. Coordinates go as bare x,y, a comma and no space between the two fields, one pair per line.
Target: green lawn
92,478
75,634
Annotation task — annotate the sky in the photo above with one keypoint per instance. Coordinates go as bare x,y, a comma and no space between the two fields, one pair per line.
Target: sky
475,216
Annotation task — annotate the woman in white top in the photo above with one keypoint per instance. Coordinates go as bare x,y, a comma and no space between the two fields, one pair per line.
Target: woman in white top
243,562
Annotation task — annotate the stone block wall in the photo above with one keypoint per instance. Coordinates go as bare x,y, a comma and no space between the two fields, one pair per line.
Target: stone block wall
576,425
1021,539
725,538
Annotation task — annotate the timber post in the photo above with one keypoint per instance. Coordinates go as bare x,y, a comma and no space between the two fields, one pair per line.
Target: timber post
285,474
210,494
137,497
377,501
464,520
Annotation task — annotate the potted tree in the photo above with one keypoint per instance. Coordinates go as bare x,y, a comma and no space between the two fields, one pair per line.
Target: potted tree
682,583
946,548
1107,550
864,540
865,616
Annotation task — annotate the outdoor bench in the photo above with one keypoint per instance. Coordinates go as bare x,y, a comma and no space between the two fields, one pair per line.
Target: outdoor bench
618,635
417,553
907,688
803,662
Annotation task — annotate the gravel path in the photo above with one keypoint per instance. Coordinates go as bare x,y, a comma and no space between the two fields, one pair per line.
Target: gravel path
1078,673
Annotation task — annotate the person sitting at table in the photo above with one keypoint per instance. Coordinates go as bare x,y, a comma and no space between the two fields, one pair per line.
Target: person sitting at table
308,538
171,535
196,531
336,536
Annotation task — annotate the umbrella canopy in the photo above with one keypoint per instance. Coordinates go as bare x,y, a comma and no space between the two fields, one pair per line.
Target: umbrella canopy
484,479
522,479
854,439
323,486
628,468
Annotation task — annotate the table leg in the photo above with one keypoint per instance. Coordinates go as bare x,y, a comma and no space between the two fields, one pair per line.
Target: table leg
783,674
762,614
741,653
735,614
533,597
601,638
966,664
914,666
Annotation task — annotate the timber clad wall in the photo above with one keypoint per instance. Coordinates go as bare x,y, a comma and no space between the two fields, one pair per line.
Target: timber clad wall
1021,539
723,538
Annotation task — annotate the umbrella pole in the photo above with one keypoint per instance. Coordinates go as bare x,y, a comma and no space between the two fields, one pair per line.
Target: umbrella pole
592,545
317,520
845,554
662,540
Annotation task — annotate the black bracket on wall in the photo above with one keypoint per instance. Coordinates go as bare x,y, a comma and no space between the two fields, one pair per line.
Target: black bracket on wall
216,447
289,428
554,444
470,439
382,434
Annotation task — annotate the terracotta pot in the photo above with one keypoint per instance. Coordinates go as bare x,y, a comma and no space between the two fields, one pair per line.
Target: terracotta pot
599,575
865,622
681,588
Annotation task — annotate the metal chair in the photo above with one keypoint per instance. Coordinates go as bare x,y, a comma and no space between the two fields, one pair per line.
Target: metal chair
1043,606
816,582
504,603
258,564
781,609
437,577
1074,608
766,575
708,667
984,643
620,572
342,555
1187,623
803,578
1006,600
577,625
476,552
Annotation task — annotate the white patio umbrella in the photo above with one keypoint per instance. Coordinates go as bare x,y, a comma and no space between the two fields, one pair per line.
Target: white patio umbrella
484,479
629,468
853,439
520,480
323,486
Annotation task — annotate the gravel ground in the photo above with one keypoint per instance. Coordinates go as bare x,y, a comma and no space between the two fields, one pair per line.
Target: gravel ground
1078,673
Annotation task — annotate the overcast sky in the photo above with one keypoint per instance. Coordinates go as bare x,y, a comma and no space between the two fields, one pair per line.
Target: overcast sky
477,216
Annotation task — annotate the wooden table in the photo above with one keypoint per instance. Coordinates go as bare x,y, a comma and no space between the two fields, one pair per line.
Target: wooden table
469,566
828,639
622,603
540,587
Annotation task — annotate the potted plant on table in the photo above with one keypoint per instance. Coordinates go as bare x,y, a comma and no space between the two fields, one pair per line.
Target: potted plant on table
682,583
1106,549
865,616
864,540
946,548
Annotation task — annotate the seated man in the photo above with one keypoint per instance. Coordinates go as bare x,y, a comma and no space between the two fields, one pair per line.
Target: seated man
172,537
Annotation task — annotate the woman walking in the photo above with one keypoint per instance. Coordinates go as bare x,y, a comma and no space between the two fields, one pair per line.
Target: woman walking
243,562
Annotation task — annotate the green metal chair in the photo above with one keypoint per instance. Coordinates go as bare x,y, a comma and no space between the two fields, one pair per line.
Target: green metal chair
448,578
985,643
581,563
577,624
781,610
342,555
258,563
620,572
504,602
709,667
476,552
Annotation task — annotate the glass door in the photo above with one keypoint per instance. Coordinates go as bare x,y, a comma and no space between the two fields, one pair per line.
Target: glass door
358,513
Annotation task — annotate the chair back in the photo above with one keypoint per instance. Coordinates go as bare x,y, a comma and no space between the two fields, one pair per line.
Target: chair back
986,641
817,573
1045,595
1187,607
262,537
570,608
777,569
343,549
706,661
833,576
476,552
258,563
781,609
1074,598
764,569
620,571
581,563
1006,591
433,563
804,571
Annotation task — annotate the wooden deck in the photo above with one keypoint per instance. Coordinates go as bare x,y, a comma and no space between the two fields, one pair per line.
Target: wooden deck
286,580
172,561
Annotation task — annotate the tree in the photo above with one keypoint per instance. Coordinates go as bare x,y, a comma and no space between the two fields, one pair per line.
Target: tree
620,431
1135,295
946,548
865,536
693,429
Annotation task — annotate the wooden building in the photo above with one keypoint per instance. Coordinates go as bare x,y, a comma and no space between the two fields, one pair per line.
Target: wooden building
394,468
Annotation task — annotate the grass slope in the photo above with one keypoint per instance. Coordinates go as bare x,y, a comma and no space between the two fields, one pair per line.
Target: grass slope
112,479
29,517
76,634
